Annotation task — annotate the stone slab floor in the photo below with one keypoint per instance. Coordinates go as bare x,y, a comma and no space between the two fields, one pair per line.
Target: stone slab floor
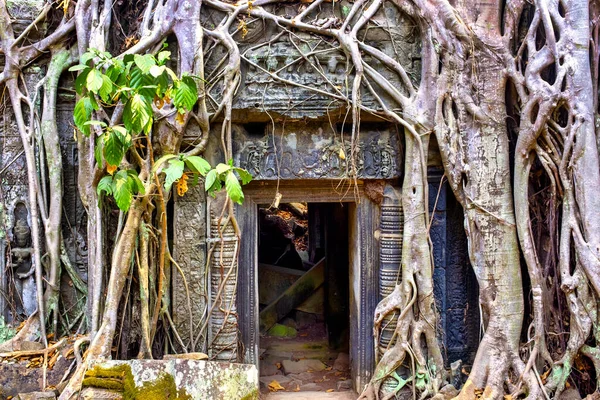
304,367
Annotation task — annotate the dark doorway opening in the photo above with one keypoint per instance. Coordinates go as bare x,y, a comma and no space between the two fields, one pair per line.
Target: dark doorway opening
304,296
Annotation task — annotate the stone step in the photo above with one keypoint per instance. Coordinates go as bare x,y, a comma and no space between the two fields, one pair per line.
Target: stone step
311,396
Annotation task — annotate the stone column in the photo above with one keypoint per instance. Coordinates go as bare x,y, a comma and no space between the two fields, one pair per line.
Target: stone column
390,255
189,245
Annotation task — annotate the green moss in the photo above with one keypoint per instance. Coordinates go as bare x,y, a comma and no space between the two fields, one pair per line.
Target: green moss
279,330
120,379
251,396
162,388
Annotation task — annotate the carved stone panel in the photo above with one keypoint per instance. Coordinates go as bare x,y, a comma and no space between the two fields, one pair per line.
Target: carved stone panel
313,151
189,244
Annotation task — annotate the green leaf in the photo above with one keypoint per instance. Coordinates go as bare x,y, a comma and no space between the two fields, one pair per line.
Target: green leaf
156,70
80,81
244,175
105,185
186,94
136,184
197,164
137,115
211,180
122,190
221,168
81,114
234,190
173,172
78,67
87,56
163,56
140,80
113,149
106,88
123,134
144,62
94,80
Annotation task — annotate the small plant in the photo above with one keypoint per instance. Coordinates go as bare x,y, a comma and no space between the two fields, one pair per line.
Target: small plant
141,83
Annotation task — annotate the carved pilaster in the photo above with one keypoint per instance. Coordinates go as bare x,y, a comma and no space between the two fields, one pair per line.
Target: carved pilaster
390,255
189,244
223,326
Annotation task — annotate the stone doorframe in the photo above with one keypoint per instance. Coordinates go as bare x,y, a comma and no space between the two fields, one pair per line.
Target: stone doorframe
363,221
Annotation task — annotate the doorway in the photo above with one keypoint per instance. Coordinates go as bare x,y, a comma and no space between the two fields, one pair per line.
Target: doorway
362,265
304,297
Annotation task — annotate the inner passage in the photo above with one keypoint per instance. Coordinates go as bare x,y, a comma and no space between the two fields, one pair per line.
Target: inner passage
303,278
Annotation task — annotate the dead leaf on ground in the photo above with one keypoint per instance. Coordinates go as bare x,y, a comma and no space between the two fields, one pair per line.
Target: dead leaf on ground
330,390
274,386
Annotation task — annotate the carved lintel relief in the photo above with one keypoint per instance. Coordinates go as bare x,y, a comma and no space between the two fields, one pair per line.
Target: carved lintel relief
300,151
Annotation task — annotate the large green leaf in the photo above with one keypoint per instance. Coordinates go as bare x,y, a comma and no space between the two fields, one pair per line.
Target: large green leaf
163,56
144,62
222,168
142,82
106,89
173,172
122,190
82,113
136,184
105,185
94,80
186,94
113,148
80,81
234,190
137,115
198,165
211,182
244,175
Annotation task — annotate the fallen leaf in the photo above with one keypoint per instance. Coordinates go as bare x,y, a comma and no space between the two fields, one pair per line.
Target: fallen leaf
330,390
297,388
328,368
278,365
274,386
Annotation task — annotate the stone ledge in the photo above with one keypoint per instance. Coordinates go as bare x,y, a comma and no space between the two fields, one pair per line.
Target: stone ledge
198,379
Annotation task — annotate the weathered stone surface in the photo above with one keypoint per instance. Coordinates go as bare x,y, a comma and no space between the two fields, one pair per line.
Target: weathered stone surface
199,379
344,385
296,367
269,368
282,379
305,319
189,243
274,280
100,394
313,395
37,396
16,378
304,151
342,362
186,356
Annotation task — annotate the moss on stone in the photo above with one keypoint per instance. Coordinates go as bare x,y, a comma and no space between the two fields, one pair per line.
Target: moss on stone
120,379
279,330
162,388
